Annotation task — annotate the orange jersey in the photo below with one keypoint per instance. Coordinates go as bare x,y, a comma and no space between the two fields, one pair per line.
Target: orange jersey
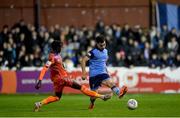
57,69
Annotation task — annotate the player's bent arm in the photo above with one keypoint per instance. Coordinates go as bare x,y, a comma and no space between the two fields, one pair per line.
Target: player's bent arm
83,64
42,73
44,69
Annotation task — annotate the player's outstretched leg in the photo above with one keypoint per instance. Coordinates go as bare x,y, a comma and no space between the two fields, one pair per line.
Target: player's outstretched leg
90,93
48,100
120,91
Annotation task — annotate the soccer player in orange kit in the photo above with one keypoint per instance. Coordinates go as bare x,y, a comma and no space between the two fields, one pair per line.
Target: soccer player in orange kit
60,78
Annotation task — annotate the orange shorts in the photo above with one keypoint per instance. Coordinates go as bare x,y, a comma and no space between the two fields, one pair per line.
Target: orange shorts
59,84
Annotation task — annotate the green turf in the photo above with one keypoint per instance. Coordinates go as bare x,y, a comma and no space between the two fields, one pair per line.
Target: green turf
160,105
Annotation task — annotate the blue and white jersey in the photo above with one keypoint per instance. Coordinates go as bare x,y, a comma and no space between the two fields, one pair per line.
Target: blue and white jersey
97,62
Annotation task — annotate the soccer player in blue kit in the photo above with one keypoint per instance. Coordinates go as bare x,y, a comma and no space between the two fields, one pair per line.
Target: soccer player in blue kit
98,74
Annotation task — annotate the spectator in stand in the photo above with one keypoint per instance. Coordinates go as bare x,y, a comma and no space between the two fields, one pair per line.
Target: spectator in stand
118,34
100,27
136,51
164,60
177,61
154,61
164,32
120,59
37,56
170,34
160,49
21,57
143,40
46,40
143,62
147,51
154,37
4,35
173,46
126,31
138,33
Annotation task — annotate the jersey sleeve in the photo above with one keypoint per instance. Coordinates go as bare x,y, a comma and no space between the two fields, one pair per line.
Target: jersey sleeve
48,64
90,54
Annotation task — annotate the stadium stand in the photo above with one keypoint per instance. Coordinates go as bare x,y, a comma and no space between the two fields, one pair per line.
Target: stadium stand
23,46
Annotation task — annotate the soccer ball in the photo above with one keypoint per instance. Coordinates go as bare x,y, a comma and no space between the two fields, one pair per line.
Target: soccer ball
132,104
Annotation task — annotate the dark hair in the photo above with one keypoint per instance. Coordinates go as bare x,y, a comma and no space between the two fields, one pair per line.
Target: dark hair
56,46
100,39
5,26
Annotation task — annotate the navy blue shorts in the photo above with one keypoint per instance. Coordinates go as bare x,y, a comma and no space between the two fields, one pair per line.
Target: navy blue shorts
95,82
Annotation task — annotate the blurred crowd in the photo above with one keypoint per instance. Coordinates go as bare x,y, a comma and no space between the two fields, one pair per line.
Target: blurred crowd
22,45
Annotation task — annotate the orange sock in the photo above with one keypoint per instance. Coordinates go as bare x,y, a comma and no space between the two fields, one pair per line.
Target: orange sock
88,92
49,100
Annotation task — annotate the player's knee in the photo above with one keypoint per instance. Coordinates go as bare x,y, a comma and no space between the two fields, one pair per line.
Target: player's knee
110,84
76,86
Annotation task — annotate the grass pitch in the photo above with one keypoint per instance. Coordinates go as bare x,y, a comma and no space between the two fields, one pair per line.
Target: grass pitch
150,105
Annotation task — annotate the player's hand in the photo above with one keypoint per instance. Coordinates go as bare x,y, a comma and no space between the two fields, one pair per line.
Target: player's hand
38,85
83,76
